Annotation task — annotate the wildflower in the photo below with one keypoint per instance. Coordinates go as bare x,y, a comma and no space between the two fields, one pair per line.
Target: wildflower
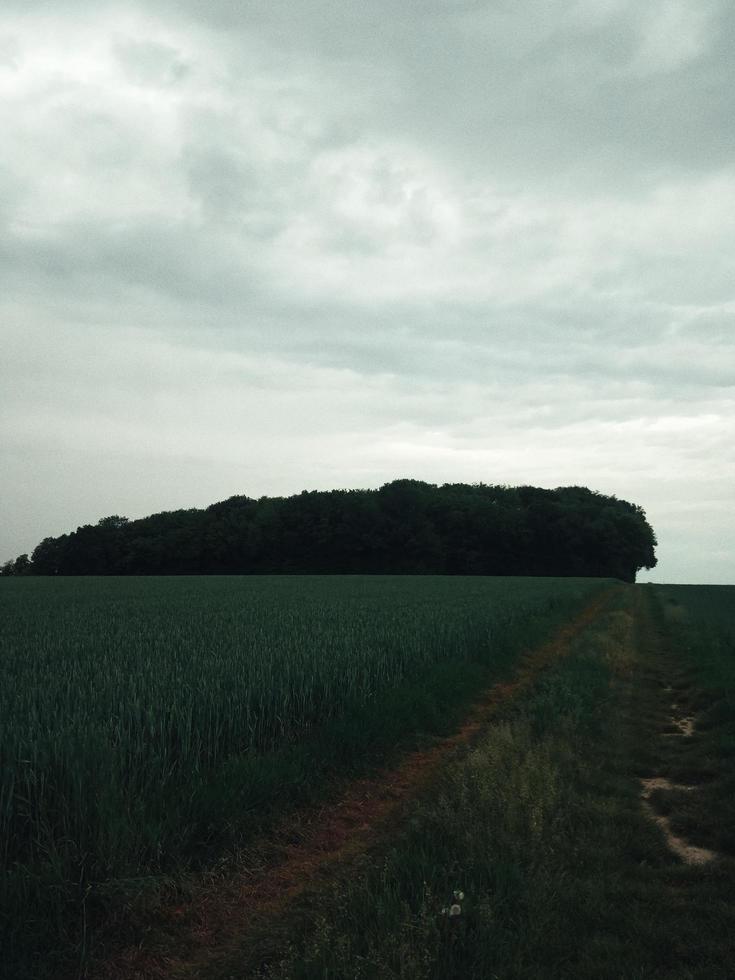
454,910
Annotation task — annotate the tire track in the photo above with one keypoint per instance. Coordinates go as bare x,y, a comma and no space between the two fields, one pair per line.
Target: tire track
679,727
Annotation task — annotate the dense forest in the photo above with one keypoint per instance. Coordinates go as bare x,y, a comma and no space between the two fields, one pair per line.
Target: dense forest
405,527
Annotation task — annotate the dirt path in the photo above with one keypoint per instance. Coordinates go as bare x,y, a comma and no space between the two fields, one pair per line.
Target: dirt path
678,726
687,852
222,909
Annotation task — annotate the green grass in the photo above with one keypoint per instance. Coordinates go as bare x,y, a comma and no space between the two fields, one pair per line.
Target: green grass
144,723
540,826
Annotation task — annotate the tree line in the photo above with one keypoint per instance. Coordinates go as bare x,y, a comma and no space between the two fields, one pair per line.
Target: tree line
405,527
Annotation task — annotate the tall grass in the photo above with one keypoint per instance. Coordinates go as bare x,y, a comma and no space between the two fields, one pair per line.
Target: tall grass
123,701
705,616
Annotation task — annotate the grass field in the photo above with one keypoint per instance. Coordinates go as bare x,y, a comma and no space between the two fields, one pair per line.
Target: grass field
146,724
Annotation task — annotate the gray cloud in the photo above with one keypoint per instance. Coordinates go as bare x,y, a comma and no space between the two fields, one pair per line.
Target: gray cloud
253,248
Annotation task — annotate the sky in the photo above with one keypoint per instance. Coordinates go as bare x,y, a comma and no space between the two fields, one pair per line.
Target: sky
260,247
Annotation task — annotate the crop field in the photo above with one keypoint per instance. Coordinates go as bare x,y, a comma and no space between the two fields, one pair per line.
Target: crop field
373,777
145,722
706,608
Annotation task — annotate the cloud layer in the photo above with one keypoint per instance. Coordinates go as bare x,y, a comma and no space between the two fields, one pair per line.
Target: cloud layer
257,248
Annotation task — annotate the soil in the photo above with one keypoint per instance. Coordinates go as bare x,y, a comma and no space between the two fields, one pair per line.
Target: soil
689,853
680,726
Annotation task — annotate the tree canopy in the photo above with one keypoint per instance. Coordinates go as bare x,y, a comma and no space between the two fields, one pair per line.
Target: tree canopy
405,527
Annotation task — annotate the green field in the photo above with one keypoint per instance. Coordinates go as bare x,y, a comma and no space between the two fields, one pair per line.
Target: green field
146,723
179,757
703,605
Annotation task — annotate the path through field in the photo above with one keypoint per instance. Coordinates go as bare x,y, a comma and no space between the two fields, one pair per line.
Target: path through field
222,908
672,694
646,866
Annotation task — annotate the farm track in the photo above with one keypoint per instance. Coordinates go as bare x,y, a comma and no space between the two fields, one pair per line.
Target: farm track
223,909
673,725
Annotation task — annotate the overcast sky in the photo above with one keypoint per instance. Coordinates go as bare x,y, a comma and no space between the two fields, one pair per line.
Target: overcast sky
260,247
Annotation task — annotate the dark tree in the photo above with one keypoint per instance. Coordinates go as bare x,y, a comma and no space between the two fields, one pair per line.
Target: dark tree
405,527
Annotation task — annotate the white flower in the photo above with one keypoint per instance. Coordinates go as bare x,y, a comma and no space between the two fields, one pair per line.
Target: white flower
454,910
459,896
